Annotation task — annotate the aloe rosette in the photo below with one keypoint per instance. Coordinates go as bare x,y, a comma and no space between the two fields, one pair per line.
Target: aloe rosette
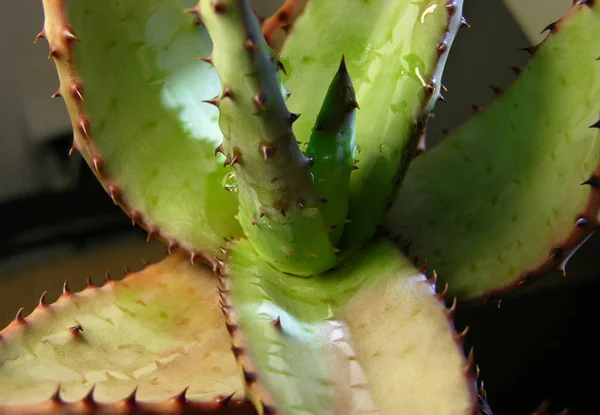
271,151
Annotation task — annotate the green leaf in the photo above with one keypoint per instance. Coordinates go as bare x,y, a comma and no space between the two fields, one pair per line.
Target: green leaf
501,201
368,337
159,330
142,126
395,52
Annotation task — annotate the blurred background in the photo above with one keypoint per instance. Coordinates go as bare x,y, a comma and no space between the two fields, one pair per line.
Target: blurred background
57,223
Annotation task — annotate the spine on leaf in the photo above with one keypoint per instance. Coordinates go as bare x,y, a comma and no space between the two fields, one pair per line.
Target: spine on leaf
279,209
332,147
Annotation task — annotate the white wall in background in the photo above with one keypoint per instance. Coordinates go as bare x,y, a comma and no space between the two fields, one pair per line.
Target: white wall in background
534,15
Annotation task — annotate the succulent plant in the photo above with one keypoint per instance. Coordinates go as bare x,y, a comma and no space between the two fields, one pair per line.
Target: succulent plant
291,288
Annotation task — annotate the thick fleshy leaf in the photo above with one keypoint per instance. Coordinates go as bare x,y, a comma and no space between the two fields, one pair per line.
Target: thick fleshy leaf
502,201
134,88
159,330
395,52
370,337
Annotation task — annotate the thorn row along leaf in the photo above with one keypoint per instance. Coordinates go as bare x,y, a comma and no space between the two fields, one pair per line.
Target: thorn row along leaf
60,36
273,337
149,333
278,207
577,140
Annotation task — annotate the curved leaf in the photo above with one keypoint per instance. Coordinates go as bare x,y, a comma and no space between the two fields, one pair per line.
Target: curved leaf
158,330
501,201
395,52
370,337
134,91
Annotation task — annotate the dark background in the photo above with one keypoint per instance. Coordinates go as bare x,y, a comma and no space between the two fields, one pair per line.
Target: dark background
537,346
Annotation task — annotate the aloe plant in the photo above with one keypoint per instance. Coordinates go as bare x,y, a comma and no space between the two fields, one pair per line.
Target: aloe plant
284,289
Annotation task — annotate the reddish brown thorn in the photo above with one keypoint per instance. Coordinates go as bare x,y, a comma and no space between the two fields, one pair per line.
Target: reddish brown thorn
72,149
65,289
19,319
53,53
293,117
499,304
76,330
277,323
219,150
262,213
516,69
550,27
593,181
249,377
223,401
596,125
71,36
280,206
254,221
194,258
131,399
114,192
530,49
227,92
281,67
180,397
193,11
42,302
152,233
442,295
429,88
461,336
237,351
441,98
581,222
442,47
354,167
464,23
135,217
266,150
57,94
452,309
208,60
172,246
84,127
218,6
98,164
41,35
214,101
107,277
423,269
250,45
259,100
236,158
55,398
89,283
268,410
451,6
476,108
126,270
497,90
